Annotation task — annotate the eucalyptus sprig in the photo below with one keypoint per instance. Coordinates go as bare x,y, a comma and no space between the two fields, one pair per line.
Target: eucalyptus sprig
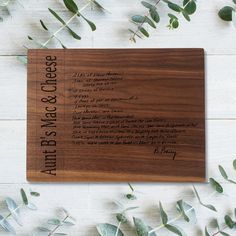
14,211
76,12
152,18
228,13
53,226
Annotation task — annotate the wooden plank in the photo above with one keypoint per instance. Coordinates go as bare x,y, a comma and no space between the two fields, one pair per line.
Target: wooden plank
116,115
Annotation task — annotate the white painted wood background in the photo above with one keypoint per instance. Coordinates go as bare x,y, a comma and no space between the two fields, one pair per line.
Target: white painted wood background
91,203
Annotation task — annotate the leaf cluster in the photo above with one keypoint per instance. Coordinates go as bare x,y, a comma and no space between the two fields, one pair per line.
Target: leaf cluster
53,225
14,211
76,12
152,18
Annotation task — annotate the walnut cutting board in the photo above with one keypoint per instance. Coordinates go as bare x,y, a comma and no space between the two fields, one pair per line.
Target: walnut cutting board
116,115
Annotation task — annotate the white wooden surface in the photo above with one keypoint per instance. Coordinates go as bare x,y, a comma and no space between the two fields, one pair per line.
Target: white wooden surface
92,203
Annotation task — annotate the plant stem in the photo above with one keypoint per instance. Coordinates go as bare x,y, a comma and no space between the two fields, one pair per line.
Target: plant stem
132,38
58,226
9,215
118,227
65,25
177,217
219,231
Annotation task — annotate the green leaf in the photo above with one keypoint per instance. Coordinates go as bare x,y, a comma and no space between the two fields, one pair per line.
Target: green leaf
164,217
97,4
141,228
154,15
138,19
43,229
57,16
173,6
14,210
187,211
108,230
186,16
226,13
216,185
131,196
150,22
121,218
143,31
90,23
73,34
43,25
71,6
190,6
223,172
234,1
211,207
174,229
131,187
31,206
24,196
234,164
34,194
54,222
6,225
229,222
206,232
148,5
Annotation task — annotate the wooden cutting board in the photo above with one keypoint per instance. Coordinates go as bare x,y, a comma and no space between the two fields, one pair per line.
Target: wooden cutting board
116,115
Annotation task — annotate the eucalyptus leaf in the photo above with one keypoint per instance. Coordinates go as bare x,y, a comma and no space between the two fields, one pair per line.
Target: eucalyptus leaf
173,6
190,6
223,172
148,5
71,6
164,217
141,228
130,208
24,196
175,229
43,25
234,164
211,207
216,185
187,211
154,15
234,1
143,31
186,16
54,222
97,4
206,232
226,13
229,222
121,218
150,22
14,210
131,196
138,19
6,225
34,194
109,230
90,23
43,229
32,206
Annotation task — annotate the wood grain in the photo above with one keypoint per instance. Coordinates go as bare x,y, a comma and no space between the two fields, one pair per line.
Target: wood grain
116,115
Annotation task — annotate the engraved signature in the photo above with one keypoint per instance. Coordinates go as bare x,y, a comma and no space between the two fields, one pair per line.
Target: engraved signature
165,151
